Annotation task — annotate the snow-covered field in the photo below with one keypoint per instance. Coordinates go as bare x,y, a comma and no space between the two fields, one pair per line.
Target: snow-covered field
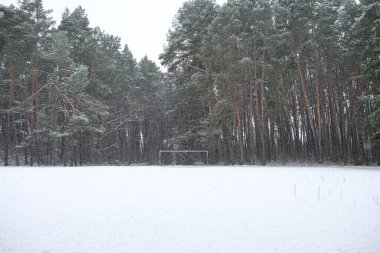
189,209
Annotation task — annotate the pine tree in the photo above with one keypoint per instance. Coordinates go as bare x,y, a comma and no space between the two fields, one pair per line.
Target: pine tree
182,57
367,33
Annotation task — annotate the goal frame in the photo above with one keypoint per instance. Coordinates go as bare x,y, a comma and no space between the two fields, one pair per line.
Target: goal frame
181,151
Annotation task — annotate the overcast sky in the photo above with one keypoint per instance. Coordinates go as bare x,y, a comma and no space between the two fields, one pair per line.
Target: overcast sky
141,24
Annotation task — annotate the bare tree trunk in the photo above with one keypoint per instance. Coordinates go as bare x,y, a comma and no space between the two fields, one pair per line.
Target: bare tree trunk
319,133
262,97
54,119
342,119
301,70
239,134
333,112
12,133
296,123
252,121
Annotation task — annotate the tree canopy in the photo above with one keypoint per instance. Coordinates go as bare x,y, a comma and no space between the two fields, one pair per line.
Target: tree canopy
251,81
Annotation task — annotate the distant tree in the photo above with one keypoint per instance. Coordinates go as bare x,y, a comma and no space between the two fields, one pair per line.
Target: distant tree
182,57
366,34
76,25
250,81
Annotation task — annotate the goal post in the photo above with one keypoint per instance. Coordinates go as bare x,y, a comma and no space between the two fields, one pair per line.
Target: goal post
183,156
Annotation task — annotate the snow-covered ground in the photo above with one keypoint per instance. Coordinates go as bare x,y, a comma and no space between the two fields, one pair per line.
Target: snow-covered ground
189,209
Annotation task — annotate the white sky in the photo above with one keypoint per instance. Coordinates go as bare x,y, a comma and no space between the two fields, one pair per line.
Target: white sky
141,24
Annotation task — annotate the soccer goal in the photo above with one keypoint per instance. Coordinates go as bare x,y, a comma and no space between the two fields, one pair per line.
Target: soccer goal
183,157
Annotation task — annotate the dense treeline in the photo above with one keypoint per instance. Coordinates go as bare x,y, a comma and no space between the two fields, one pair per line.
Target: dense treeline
71,96
279,80
252,81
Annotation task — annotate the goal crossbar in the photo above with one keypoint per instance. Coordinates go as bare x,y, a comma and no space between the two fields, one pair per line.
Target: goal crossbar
182,151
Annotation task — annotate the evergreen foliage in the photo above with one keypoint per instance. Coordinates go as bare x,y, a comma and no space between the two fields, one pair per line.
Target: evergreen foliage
278,80
250,81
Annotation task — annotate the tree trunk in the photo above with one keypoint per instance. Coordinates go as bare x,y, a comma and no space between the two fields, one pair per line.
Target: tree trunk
337,153
301,71
263,126
54,119
319,133
252,122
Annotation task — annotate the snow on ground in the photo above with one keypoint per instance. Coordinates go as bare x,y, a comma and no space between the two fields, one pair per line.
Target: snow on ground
189,209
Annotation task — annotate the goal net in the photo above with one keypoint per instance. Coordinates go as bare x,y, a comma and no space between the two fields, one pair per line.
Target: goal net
183,157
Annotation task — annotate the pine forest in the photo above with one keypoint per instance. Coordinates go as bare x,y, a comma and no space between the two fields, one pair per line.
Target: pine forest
250,81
